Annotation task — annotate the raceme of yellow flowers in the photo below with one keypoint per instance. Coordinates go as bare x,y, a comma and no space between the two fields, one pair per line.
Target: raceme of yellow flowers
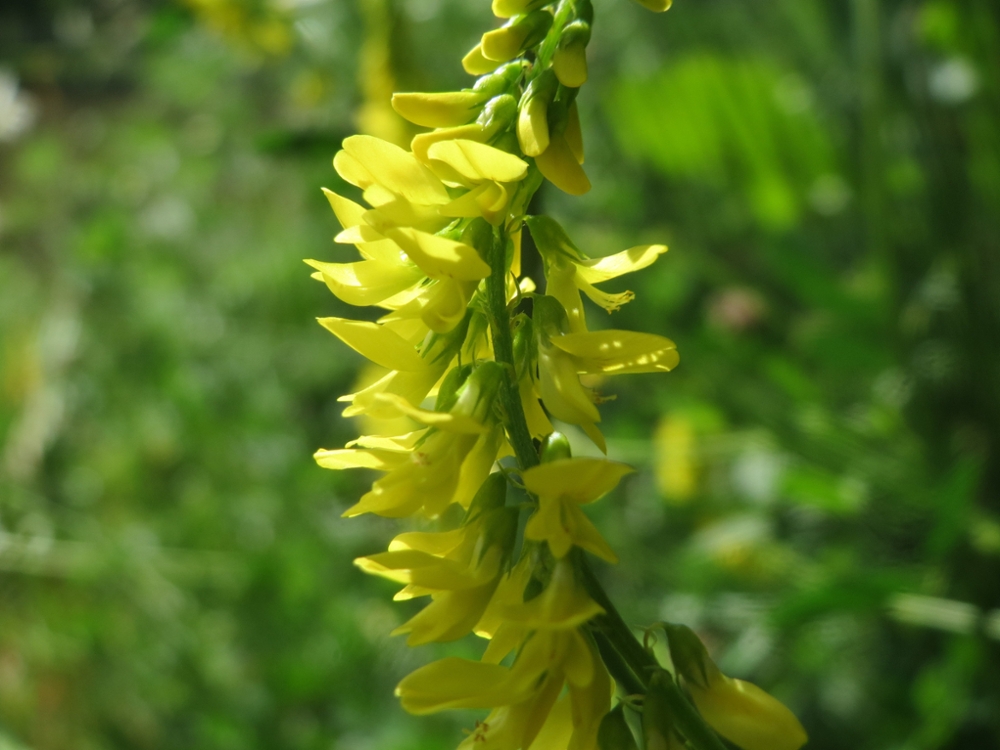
478,361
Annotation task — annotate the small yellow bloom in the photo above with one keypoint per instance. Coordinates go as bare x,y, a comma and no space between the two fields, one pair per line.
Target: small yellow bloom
560,166
444,110
476,64
562,486
508,8
521,32
570,59
657,6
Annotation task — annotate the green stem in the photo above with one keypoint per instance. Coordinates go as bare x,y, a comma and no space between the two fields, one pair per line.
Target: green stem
634,665
503,349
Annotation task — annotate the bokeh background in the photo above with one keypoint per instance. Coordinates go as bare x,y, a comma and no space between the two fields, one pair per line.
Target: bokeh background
819,481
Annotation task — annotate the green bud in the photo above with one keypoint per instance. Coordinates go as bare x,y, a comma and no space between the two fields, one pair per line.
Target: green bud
585,11
555,447
501,80
520,33
657,6
498,113
614,732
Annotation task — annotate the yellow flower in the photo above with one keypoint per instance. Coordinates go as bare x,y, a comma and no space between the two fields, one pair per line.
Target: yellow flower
746,715
449,462
562,357
444,110
739,711
519,33
562,486
568,271
459,569
570,59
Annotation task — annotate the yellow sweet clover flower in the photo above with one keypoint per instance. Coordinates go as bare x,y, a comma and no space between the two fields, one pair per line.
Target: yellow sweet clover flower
740,711
476,365
562,486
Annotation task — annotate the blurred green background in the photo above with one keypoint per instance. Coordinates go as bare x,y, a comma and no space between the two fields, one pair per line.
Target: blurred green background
819,481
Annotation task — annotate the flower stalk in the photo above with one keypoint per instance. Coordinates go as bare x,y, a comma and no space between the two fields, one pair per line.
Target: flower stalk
476,377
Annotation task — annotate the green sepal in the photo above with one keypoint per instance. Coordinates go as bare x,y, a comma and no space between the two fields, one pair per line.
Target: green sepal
498,114
448,393
551,239
689,655
614,732
550,318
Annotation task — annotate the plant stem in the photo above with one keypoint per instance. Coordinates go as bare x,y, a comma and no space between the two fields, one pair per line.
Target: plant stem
503,350
631,664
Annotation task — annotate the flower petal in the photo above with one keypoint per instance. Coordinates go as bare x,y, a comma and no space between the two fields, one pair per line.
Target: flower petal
477,161
617,352
348,458
442,110
369,161
634,259
381,345
440,257
366,282
583,480
454,683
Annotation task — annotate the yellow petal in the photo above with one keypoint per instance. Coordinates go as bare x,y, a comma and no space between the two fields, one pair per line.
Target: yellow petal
346,458
618,352
582,480
454,683
570,65
366,282
399,212
412,386
609,301
388,165
358,234
476,64
560,282
546,525
560,388
397,443
440,257
348,212
379,344
508,8
561,606
573,133
477,161
533,126
538,422
458,423
421,143
560,167
476,466
437,543
440,305
448,617
419,568
611,267
486,200
442,110
503,44
747,716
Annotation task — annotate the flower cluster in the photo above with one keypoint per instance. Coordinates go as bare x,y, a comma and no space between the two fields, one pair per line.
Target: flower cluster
478,362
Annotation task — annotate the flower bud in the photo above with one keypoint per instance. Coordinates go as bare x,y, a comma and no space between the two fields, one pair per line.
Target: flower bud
570,59
475,64
443,110
532,120
476,397
508,8
614,732
555,447
657,6
498,114
517,35
740,711
500,80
